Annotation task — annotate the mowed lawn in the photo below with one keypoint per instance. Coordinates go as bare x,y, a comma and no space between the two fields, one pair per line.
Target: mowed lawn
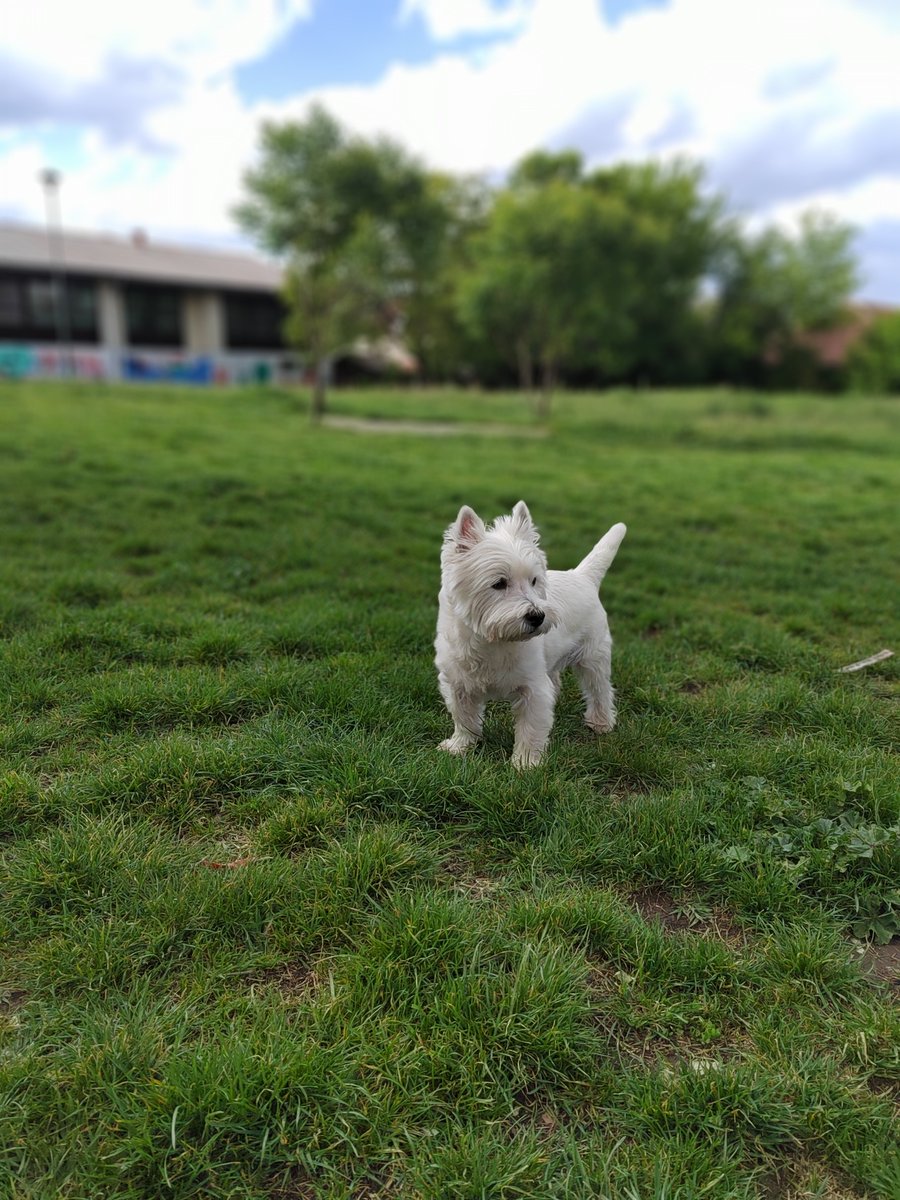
261,939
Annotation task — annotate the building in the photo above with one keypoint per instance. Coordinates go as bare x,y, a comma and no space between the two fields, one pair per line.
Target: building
831,348
138,309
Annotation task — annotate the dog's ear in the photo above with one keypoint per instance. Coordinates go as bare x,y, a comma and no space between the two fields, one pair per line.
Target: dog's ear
522,522
467,530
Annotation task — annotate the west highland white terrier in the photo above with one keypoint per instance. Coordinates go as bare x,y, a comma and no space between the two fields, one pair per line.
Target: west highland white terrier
507,627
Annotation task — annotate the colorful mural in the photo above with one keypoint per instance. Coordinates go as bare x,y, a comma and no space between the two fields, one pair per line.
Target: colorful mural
49,362
175,370
23,361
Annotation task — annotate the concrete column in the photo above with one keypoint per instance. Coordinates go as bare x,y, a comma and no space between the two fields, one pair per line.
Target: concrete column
112,324
204,323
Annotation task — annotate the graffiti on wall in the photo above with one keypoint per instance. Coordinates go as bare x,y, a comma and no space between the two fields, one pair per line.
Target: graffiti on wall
167,370
22,361
48,362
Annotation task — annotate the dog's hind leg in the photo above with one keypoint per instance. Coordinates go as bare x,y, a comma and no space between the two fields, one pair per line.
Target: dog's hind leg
593,671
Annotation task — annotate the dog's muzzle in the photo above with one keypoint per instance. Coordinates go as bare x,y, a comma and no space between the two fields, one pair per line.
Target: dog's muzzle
534,619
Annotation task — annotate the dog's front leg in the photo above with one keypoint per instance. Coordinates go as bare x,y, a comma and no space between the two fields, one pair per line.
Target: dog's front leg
534,720
468,717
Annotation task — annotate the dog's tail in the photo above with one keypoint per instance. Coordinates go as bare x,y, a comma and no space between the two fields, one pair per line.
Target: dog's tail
598,562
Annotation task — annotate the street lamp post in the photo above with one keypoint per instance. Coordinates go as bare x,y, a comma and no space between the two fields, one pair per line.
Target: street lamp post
51,179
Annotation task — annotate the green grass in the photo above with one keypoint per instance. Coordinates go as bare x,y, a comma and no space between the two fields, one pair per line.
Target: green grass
262,940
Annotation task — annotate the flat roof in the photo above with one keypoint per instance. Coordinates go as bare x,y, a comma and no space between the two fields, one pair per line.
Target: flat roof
139,258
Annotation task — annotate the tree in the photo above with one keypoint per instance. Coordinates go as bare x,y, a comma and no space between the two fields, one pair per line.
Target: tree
550,283
335,300
774,287
444,244
874,362
542,167
671,240
595,275
359,223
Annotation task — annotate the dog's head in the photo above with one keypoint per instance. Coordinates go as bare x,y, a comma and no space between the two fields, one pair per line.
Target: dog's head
496,577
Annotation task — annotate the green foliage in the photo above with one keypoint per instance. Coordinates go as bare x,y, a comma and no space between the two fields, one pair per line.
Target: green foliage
542,167
335,300
874,364
594,276
445,243
675,233
772,288
589,277
814,850
361,224
544,272
261,939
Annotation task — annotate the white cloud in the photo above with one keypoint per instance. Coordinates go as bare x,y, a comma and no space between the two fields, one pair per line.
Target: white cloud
473,114
177,164
709,60
74,40
449,19
861,204
789,103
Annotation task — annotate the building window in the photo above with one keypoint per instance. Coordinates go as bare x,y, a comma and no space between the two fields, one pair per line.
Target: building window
42,303
11,310
83,311
28,307
153,316
253,321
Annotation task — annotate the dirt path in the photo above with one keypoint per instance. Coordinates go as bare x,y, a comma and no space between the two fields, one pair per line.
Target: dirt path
433,428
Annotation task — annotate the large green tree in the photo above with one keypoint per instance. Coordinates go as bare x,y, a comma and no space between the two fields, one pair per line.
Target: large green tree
360,224
594,275
775,286
674,233
549,283
432,326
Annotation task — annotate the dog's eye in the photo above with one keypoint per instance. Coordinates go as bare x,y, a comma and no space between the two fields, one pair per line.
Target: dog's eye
534,581
499,586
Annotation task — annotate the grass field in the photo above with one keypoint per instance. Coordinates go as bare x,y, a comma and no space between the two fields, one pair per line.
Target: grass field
261,939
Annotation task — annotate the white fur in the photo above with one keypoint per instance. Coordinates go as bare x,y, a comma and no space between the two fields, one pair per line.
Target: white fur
486,647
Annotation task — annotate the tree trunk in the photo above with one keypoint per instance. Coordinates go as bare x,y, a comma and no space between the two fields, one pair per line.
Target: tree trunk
548,382
319,395
526,367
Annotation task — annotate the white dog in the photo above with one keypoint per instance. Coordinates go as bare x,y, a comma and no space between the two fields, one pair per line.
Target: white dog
507,627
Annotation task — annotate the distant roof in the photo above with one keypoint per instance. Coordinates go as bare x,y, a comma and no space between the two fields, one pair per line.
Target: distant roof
137,257
832,346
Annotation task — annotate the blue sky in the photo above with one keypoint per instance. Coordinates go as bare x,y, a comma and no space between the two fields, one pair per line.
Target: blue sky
152,112
351,42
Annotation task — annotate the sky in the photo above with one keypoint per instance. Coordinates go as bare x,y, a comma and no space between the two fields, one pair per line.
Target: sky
152,111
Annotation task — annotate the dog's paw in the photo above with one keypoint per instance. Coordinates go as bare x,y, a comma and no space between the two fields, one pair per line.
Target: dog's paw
454,745
599,723
523,759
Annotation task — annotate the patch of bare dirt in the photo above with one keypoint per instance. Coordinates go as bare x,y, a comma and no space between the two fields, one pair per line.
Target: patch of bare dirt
656,905
298,980
295,1184
687,916
883,962
692,687
11,1000
881,1085
803,1180
473,884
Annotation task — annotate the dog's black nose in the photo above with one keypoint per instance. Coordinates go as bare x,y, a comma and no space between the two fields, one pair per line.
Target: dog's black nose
534,618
